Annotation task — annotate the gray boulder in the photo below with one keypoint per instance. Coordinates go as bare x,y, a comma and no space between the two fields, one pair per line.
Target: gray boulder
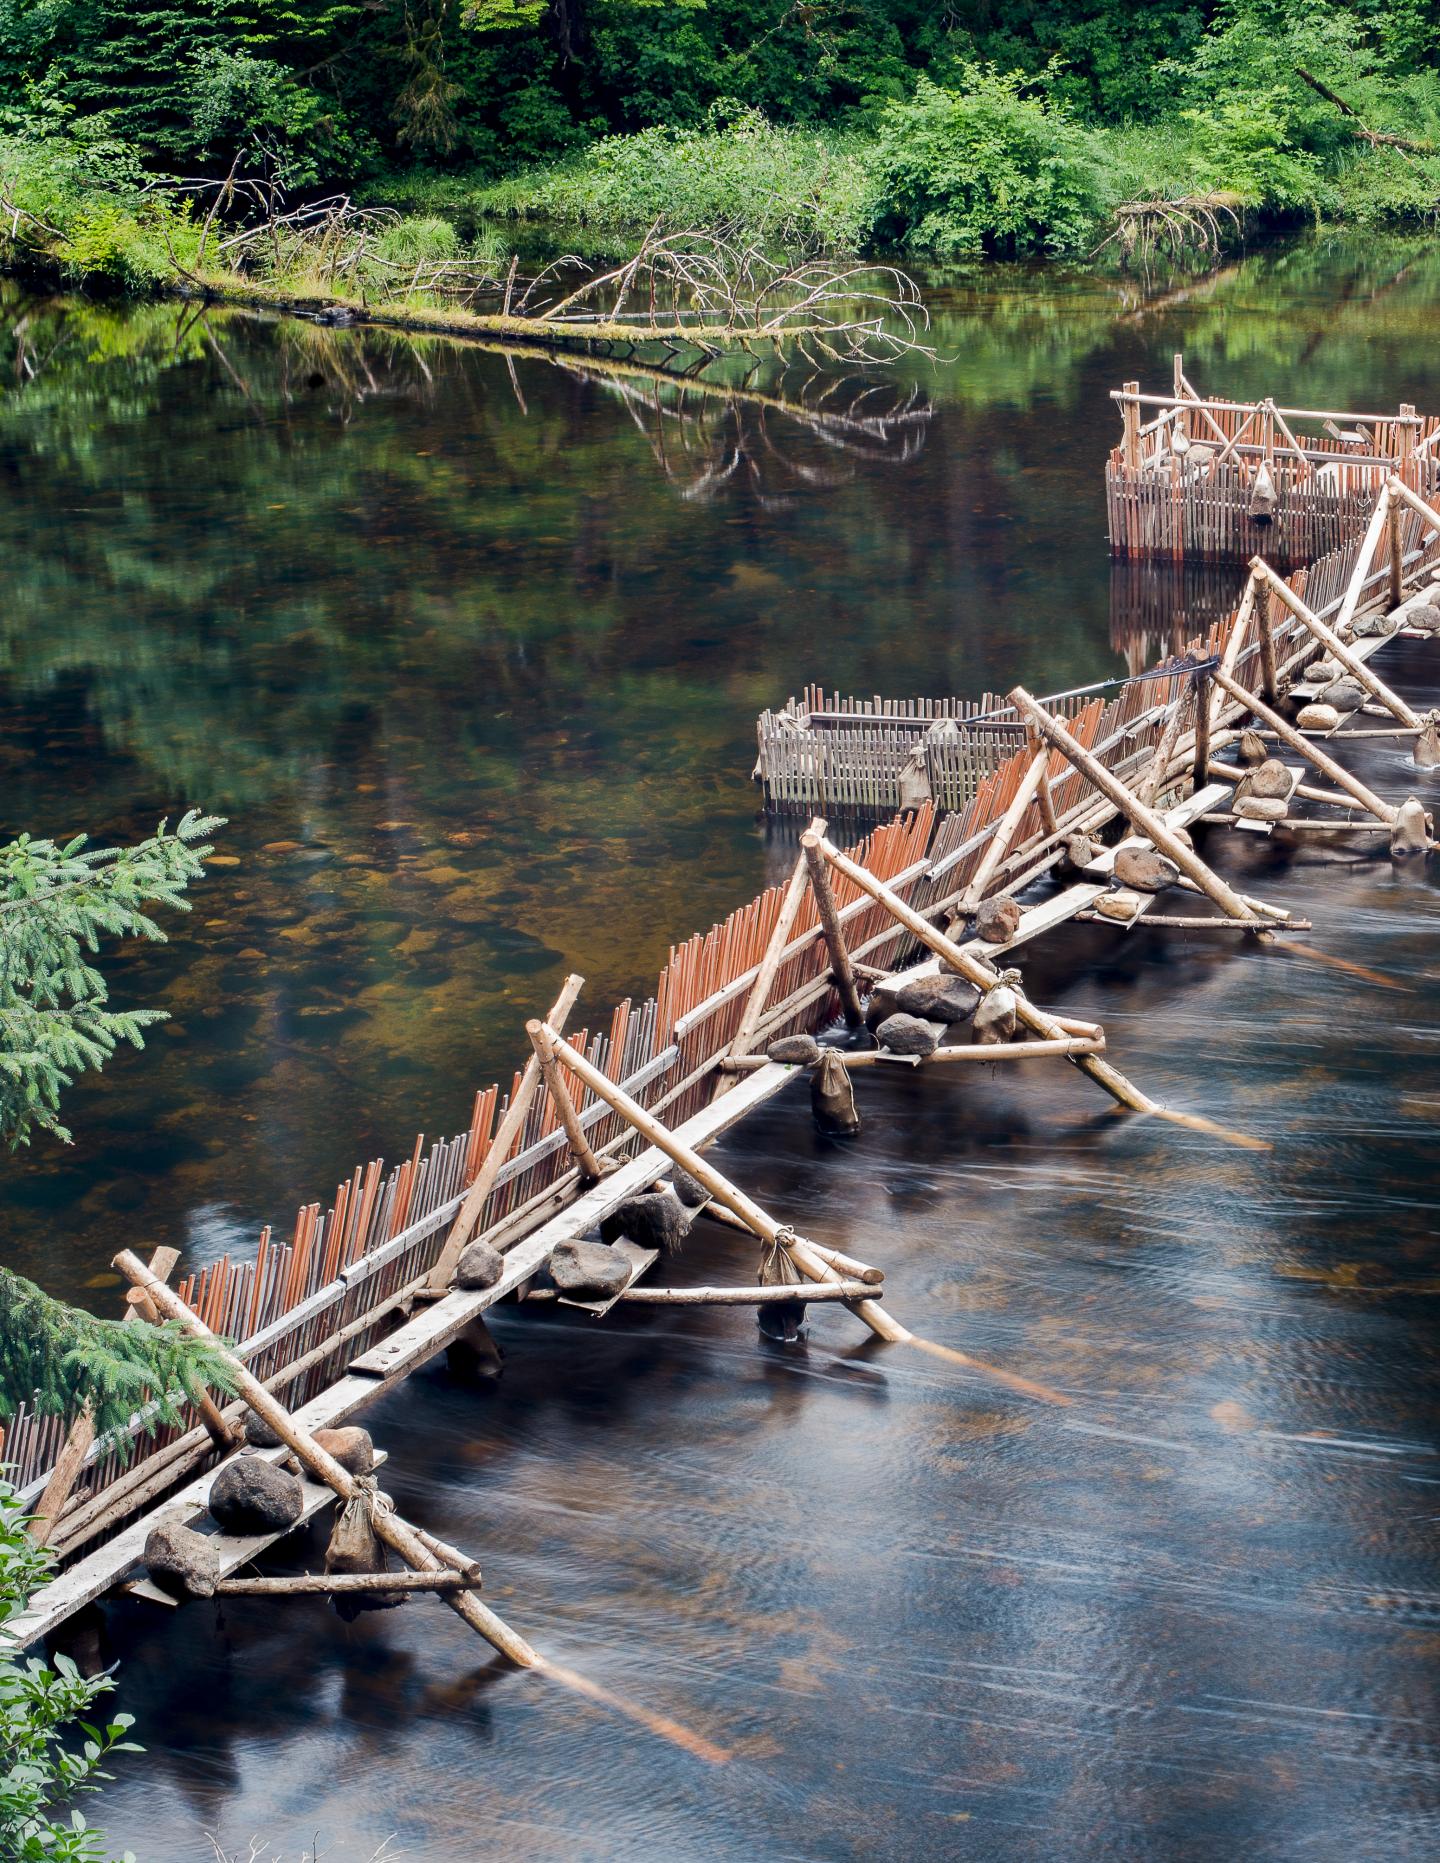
655,1219
691,1192
1145,869
903,1034
1080,850
479,1266
1322,671
997,920
946,999
1262,808
1346,695
794,1051
182,1561
1426,616
250,1495
258,1433
1317,718
1378,623
1270,780
588,1270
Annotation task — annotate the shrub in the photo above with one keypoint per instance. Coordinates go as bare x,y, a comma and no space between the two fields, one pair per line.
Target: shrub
987,168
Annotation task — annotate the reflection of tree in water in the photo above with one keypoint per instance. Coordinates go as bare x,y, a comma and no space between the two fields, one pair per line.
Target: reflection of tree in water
1156,608
792,436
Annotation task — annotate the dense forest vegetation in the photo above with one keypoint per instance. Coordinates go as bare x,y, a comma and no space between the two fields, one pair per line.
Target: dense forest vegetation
985,126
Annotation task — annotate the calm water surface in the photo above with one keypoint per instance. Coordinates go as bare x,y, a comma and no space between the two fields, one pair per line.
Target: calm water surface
472,659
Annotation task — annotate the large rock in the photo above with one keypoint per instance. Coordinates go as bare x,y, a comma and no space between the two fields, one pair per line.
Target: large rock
1317,718
1262,808
995,1018
997,920
1121,906
903,1034
794,1051
655,1219
479,1266
1145,869
691,1192
945,998
1346,695
1426,616
1378,623
1322,671
250,1495
258,1433
1411,832
832,1097
351,1447
1080,850
588,1270
1270,779
182,1561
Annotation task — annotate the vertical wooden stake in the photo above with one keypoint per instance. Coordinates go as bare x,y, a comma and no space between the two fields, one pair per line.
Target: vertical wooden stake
830,925
1130,414
759,995
591,1168
501,1146
1269,683
1200,772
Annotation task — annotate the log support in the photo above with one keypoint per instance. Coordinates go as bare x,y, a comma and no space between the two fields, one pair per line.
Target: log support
834,933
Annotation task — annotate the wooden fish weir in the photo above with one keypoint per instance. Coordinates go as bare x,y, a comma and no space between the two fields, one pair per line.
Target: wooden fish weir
364,1291
1183,483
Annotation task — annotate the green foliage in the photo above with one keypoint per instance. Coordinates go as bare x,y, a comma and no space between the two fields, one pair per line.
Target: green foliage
989,168
795,188
51,1752
61,1360
56,903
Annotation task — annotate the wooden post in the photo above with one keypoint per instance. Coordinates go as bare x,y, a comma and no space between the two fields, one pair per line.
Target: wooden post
1004,833
1130,415
1405,430
1332,643
1287,734
1047,800
1363,562
759,997
591,1169
834,933
1397,564
1269,680
1145,820
395,1532
1234,641
1198,776
500,1148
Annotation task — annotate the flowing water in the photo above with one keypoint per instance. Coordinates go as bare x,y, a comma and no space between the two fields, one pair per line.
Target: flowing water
469,650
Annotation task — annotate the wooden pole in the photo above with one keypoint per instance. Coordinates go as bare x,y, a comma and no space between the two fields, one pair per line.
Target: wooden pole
1047,800
1397,488
834,933
591,1169
500,1148
1332,643
1065,1045
1363,562
1149,785
1130,415
1148,823
328,1583
1287,734
1203,696
395,1532
804,1291
1269,680
759,997
1004,833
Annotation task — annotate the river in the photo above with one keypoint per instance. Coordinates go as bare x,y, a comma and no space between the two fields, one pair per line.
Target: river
469,650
